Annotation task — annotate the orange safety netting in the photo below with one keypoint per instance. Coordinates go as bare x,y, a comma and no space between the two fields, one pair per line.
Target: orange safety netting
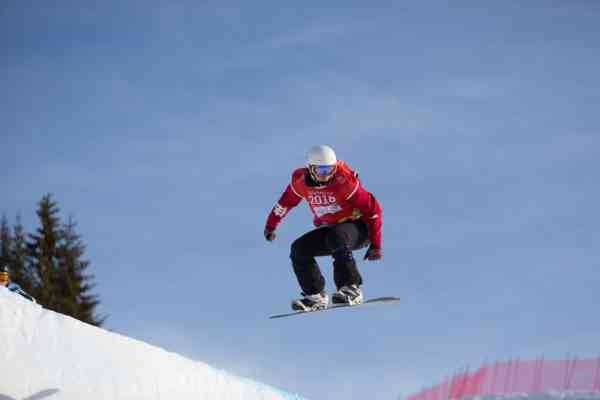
515,376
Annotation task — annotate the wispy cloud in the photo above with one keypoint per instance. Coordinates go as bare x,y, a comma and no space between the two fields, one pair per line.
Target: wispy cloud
475,88
349,109
309,35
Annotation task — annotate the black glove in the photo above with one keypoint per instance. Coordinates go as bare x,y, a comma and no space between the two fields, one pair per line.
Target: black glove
373,253
270,235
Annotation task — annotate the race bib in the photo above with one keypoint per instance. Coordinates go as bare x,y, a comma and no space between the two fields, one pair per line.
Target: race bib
330,209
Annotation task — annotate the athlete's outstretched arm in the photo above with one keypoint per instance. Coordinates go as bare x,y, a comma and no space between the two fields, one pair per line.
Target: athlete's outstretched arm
288,200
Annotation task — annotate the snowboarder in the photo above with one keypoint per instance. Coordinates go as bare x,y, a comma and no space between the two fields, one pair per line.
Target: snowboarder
347,218
13,287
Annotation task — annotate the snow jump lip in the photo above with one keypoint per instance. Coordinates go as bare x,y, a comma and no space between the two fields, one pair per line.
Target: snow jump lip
47,355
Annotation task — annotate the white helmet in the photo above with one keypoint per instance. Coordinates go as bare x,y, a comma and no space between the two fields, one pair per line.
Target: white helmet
321,155
322,163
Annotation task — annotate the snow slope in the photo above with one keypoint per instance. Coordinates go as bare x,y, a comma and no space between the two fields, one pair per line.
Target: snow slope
46,355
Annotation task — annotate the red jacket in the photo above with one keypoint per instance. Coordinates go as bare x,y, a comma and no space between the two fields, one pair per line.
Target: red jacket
340,200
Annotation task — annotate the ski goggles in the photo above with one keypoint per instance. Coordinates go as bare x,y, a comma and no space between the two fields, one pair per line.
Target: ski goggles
3,277
323,170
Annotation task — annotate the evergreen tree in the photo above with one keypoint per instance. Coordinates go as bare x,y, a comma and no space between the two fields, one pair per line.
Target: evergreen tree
43,250
74,283
5,242
20,272
49,264
13,253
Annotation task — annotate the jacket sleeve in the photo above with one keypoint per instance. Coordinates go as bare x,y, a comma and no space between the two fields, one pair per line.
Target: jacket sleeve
370,209
288,200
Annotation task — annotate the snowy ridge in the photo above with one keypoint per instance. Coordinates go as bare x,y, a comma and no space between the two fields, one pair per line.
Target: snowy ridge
46,355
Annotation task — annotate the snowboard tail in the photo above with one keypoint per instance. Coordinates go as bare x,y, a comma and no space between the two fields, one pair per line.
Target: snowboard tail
378,300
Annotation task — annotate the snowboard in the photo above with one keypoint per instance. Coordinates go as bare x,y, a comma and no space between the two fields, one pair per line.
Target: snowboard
331,307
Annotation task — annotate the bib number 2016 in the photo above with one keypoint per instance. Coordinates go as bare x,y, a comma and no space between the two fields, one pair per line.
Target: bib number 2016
321,199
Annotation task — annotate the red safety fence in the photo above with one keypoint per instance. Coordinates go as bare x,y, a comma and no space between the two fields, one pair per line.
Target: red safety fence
516,376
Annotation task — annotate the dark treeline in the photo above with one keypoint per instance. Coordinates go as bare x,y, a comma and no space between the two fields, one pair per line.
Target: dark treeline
49,263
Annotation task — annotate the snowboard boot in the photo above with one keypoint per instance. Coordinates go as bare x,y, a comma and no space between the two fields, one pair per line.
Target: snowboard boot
350,294
311,302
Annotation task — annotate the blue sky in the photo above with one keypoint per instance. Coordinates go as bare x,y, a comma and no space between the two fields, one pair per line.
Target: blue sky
169,129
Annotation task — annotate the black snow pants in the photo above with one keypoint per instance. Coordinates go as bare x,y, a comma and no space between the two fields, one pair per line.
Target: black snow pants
333,240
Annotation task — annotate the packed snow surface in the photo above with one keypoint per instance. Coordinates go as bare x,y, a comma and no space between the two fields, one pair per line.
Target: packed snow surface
46,355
